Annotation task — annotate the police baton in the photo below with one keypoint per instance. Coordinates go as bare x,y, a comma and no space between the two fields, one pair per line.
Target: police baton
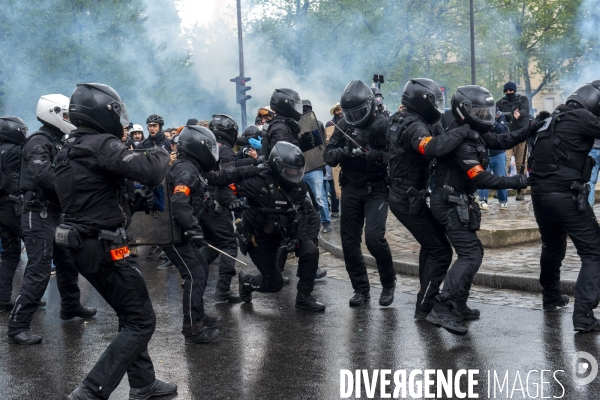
349,138
210,246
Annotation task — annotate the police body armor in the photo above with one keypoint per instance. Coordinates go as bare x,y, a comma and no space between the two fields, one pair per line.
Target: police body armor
360,136
33,196
551,155
449,174
406,168
276,217
12,185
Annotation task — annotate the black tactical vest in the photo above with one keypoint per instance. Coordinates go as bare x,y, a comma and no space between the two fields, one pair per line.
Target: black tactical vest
27,183
12,177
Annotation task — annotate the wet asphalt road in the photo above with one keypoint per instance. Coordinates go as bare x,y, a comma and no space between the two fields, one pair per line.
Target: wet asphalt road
268,350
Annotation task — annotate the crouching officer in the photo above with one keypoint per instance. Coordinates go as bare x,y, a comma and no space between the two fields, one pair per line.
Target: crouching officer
12,134
41,213
559,174
275,224
89,180
198,151
458,175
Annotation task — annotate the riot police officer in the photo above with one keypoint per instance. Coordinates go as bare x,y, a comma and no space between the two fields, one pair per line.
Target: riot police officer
41,212
198,150
559,174
364,194
457,176
275,224
217,221
12,134
412,141
89,176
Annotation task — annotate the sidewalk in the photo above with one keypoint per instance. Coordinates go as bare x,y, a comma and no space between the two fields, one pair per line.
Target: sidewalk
513,267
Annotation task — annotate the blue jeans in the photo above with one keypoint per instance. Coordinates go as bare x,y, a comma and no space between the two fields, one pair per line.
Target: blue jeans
314,179
330,188
595,154
498,167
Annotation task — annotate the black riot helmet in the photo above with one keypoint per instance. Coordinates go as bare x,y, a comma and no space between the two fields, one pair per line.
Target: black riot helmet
99,107
474,105
358,103
224,128
13,130
200,145
287,103
588,97
424,97
287,163
155,119
251,131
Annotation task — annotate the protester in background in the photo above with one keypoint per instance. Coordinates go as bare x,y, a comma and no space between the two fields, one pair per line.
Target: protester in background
204,123
137,135
595,154
336,113
516,110
497,166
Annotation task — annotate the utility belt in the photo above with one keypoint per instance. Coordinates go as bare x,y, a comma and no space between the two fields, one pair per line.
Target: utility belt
415,198
583,168
580,191
30,201
370,185
115,242
465,211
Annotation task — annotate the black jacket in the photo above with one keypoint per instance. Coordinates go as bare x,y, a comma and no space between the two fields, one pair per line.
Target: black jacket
187,193
509,106
92,191
10,159
153,141
365,169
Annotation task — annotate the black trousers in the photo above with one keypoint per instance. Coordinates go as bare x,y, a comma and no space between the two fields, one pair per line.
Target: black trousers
264,256
124,289
360,204
193,269
38,235
468,248
10,235
557,216
435,255
218,231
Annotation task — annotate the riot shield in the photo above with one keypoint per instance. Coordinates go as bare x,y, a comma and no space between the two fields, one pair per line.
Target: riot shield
314,157
154,228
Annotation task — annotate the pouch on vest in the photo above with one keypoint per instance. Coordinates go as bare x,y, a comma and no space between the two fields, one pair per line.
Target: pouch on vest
67,237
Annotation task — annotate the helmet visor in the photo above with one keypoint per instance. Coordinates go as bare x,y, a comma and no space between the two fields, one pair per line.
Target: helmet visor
213,147
298,107
485,115
121,110
439,104
291,173
357,114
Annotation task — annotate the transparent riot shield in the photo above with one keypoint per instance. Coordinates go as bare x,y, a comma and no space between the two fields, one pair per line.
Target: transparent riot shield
314,157
153,228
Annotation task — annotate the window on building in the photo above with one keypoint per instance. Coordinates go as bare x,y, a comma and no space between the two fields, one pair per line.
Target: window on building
549,104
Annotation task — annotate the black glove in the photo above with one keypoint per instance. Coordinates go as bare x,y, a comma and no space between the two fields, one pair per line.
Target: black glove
292,245
306,141
519,181
374,155
472,135
148,196
340,153
238,205
195,237
249,171
259,160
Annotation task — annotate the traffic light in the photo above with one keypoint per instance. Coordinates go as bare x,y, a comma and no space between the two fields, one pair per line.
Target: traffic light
241,89
1,84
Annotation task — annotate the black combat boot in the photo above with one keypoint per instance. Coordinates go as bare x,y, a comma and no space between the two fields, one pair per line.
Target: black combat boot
462,311
24,337
387,296
441,315
245,286
83,312
556,303
359,298
155,389
224,296
84,393
307,302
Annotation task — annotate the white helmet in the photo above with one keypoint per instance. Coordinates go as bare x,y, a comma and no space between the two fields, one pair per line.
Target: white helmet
137,128
53,109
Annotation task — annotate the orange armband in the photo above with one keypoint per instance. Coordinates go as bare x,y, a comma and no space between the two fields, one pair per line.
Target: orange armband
476,170
423,144
182,189
234,188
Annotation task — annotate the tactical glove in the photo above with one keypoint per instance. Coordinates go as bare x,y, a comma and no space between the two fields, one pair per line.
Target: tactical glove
306,141
237,205
148,197
292,245
195,237
519,181
340,153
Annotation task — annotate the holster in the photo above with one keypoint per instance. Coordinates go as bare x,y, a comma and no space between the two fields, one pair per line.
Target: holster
416,199
474,216
461,202
115,243
588,166
67,237
581,192
281,256
18,204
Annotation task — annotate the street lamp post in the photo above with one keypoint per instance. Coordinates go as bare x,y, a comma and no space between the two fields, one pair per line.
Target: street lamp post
472,23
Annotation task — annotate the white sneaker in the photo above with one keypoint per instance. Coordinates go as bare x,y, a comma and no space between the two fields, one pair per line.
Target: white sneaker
483,205
504,206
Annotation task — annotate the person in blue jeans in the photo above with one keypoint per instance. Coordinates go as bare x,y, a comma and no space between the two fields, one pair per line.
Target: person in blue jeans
595,154
497,166
329,188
